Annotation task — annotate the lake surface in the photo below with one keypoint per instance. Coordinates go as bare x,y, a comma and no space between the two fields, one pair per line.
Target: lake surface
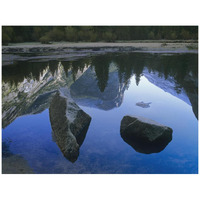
106,87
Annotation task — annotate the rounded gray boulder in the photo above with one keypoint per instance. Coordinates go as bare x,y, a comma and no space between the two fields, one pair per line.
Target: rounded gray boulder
145,135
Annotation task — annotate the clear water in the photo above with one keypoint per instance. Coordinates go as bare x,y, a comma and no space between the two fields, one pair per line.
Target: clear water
107,88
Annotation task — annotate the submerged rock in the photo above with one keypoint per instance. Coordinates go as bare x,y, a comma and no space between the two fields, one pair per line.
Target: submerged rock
145,135
143,105
13,163
69,124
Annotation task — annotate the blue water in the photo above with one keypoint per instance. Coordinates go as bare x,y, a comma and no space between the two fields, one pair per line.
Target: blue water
103,150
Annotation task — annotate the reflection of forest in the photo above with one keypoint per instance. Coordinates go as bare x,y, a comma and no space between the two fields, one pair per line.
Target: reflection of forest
176,65
181,68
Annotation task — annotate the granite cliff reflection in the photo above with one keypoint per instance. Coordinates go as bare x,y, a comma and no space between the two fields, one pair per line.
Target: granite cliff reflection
100,82
104,89
28,87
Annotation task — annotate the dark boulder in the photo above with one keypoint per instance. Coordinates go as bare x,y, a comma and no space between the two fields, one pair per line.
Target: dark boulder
145,135
69,124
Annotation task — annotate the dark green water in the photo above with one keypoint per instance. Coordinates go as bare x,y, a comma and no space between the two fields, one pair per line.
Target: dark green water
106,87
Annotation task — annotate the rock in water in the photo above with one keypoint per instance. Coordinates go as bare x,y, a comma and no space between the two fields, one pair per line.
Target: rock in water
145,135
69,124
143,105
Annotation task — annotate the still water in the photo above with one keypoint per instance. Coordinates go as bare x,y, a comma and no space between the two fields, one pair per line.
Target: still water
106,87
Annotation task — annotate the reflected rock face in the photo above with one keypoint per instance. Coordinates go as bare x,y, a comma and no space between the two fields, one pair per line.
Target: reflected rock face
86,91
69,124
168,84
185,89
33,95
30,96
145,135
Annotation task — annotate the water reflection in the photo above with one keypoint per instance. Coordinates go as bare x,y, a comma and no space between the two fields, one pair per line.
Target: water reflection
101,68
32,92
27,87
175,74
86,91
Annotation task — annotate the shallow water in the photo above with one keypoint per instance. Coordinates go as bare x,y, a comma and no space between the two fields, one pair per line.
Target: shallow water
106,87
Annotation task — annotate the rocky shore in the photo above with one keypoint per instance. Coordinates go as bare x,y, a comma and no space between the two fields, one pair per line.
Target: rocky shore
64,50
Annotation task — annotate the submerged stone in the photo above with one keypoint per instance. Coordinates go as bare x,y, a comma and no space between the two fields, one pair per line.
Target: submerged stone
145,135
143,105
13,163
69,124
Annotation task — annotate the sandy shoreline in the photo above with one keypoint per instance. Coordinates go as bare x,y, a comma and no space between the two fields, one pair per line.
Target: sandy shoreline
67,51
158,44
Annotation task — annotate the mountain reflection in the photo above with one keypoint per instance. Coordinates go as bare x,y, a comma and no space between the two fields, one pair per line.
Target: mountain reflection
27,87
93,92
17,72
31,92
175,74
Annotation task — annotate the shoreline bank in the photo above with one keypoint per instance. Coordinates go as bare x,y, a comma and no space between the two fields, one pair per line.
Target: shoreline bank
68,51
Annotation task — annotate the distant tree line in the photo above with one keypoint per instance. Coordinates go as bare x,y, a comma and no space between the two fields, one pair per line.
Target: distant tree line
47,34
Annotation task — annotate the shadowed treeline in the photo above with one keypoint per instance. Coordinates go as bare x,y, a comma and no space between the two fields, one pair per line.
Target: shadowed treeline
127,65
20,70
46,34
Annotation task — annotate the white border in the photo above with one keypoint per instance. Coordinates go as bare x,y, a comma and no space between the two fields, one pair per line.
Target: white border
104,12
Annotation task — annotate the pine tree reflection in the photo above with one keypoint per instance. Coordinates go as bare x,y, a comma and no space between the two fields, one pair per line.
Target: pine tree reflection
16,73
128,66
101,67
181,69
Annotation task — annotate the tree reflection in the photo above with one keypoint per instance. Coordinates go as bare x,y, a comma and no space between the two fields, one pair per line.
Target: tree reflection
16,73
181,69
101,67
128,66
